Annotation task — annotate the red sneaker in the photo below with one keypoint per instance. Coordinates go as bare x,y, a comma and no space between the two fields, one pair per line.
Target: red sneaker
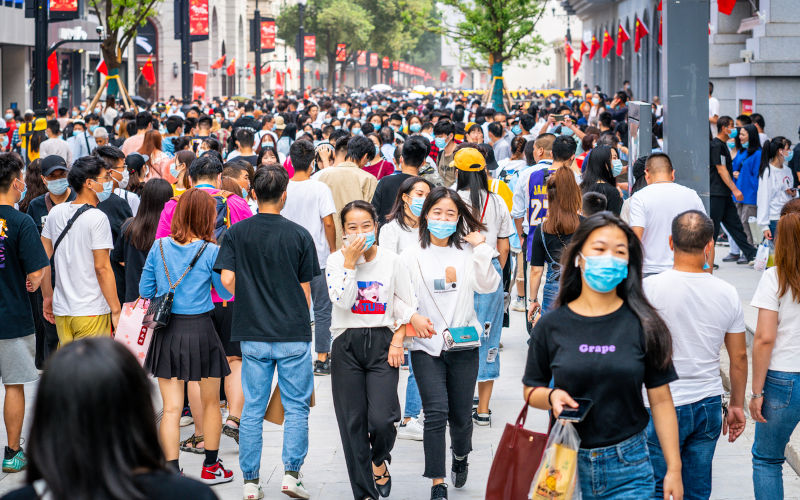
216,474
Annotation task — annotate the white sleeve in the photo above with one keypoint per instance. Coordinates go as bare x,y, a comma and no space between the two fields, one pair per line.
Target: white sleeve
637,212
342,284
766,295
485,277
762,202
388,238
520,200
405,300
101,232
326,204
505,224
737,319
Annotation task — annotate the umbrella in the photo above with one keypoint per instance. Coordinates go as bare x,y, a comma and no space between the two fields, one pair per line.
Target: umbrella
140,101
381,87
415,95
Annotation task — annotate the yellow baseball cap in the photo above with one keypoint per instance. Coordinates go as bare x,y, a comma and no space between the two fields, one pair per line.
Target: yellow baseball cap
469,160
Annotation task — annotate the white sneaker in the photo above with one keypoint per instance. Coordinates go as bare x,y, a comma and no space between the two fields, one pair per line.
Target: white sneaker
252,491
293,487
186,420
412,430
518,304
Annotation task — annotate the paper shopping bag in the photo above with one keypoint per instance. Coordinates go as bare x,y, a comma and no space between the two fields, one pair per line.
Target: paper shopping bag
131,333
275,412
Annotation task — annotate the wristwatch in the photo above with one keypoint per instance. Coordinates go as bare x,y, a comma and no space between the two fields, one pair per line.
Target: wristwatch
756,396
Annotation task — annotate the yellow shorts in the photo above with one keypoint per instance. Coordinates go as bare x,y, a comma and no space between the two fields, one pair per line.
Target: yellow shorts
71,328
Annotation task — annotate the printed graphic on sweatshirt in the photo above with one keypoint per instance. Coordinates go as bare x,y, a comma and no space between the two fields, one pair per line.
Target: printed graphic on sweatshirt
449,283
368,300
3,231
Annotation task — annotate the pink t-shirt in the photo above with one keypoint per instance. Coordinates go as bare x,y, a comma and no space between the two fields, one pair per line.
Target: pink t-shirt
239,208
132,144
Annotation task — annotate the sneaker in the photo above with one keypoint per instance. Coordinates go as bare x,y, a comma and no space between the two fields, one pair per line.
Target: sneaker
186,417
412,430
742,260
216,474
518,304
322,367
252,491
14,461
731,257
293,487
482,419
458,472
475,402
439,491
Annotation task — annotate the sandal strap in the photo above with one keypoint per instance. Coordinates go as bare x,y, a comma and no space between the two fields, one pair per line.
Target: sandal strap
233,419
193,440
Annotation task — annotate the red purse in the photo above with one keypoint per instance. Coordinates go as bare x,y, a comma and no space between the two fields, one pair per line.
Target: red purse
516,461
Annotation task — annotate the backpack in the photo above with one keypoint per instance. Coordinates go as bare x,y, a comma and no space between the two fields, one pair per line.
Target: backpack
223,221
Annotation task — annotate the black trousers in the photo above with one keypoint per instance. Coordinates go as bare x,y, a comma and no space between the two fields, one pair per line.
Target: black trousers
46,334
446,385
365,402
723,210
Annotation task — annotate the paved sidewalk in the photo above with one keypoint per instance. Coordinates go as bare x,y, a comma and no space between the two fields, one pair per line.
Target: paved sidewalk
325,474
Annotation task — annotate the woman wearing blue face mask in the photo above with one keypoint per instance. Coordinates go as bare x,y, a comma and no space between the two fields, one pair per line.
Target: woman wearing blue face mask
372,299
414,124
451,263
402,223
601,169
603,342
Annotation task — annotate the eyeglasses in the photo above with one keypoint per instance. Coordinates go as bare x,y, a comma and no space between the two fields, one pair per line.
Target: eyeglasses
105,178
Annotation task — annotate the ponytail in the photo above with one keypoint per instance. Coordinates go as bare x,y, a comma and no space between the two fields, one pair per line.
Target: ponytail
770,149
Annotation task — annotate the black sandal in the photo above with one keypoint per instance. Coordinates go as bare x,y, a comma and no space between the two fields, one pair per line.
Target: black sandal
230,430
386,488
190,444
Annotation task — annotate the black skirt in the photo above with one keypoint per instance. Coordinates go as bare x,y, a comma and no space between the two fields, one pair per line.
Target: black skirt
188,348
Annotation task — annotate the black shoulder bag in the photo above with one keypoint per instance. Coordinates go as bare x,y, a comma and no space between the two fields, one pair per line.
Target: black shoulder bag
81,211
160,308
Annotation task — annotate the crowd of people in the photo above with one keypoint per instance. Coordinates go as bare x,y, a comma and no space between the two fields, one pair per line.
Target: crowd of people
384,233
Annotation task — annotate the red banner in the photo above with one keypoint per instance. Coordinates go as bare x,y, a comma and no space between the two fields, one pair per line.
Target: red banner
198,17
199,79
52,102
373,60
63,5
309,46
361,60
386,63
341,52
395,65
268,35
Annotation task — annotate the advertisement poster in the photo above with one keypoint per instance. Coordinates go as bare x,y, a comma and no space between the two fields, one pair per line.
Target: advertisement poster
63,5
268,34
362,58
198,17
341,52
199,79
373,60
310,46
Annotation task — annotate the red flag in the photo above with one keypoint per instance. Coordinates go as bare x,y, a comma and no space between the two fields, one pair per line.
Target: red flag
660,25
608,44
576,65
443,76
247,66
148,72
52,67
289,72
102,68
461,77
266,70
622,37
316,74
726,6
231,70
568,50
659,5
584,49
219,62
640,32
278,83
595,47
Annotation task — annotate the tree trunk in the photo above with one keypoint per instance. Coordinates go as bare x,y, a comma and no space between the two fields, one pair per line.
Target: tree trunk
342,75
331,68
497,84
113,63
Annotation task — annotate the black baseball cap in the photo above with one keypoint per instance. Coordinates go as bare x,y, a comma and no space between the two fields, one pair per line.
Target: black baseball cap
52,163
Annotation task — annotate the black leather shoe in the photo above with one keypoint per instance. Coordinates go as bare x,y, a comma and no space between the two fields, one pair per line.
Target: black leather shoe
383,489
731,257
439,491
458,472
742,260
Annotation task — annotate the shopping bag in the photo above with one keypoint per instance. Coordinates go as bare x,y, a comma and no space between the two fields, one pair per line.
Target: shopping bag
130,332
275,413
557,477
762,256
515,461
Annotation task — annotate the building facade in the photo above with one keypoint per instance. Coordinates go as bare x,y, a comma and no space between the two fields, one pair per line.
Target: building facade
16,47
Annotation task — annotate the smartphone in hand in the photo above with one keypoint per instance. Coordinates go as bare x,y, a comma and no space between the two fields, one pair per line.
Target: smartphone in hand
577,414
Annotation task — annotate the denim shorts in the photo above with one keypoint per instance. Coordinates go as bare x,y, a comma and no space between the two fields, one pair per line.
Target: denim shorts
489,311
620,472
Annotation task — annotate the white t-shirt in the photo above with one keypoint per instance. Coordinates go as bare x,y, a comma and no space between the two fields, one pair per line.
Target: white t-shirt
443,269
132,199
713,109
396,239
497,219
77,292
699,310
653,209
786,353
307,203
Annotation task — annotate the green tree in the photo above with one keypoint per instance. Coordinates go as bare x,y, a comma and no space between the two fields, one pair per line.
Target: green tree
120,19
497,30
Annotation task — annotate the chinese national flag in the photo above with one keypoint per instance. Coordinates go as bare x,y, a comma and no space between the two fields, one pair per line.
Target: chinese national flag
576,65
148,72
247,66
443,76
584,49
316,74
622,37
461,77
568,50
52,67
595,47
102,68
726,6
641,32
231,70
660,25
266,70
289,72
608,44
218,63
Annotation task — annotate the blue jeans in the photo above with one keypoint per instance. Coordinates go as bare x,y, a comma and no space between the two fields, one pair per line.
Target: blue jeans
699,427
781,409
413,401
550,290
296,382
489,310
618,472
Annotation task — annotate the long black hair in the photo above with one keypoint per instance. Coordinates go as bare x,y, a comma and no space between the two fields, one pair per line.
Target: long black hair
753,140
597,168
769,151
398,211
93,406
476,183
657,336
141,231
466,221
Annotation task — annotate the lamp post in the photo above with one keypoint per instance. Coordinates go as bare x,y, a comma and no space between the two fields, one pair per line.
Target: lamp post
301,53
186,53
257,32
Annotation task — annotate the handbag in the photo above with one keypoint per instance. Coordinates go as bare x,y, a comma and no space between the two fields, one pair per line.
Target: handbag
131,332
517,458
160,308
458,338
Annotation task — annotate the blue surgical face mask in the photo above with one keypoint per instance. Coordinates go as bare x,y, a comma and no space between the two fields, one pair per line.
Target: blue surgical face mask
416,206
595,100
356,131
173,170
415,127
745,144
731,144
244,193
374,107
370,239
442,229
23,192
377,150
9,116
76,133
734,133
92,128
604,272
516,130
616,167
566,131
82,107
103,195
440,142
377,126
789,156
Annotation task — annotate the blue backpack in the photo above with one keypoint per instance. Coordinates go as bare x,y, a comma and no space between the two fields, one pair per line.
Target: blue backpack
223,221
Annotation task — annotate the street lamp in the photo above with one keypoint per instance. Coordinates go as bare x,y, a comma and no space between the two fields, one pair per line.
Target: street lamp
301,7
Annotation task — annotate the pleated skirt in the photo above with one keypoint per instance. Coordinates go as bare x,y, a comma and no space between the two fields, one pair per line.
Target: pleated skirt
188,348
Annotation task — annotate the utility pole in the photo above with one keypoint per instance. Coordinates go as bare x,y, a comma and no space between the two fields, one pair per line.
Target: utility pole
257,32
186,52
40,57
301,52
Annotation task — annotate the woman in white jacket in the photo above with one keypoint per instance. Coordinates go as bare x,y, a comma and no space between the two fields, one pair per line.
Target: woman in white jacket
775,184
450,264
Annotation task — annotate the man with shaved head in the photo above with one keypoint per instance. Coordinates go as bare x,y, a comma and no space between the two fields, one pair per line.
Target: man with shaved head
654,207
